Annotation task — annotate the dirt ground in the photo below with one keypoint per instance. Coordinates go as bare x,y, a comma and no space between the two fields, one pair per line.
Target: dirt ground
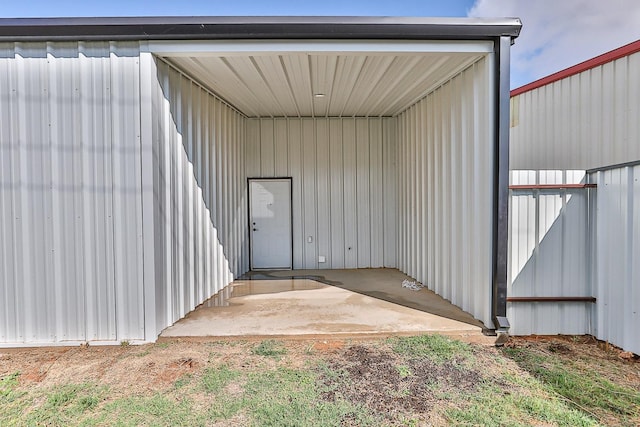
374,381
154,367
372,367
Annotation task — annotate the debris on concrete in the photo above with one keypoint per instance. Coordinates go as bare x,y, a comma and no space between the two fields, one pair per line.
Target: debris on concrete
410,284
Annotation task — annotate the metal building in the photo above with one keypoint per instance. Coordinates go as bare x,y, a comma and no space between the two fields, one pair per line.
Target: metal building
147,162
575,204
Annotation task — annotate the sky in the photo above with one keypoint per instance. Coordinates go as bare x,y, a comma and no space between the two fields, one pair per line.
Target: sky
556,34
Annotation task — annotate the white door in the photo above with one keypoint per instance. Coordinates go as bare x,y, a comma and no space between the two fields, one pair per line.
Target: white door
270,223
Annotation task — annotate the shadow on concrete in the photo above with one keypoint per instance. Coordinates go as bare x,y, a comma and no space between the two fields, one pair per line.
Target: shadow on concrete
381,283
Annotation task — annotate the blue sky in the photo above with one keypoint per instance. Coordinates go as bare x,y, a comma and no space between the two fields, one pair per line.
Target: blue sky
235,7
556,33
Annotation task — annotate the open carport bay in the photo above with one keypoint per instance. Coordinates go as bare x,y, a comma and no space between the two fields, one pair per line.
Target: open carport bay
387,149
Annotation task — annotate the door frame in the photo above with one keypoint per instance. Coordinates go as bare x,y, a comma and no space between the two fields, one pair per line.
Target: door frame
249,225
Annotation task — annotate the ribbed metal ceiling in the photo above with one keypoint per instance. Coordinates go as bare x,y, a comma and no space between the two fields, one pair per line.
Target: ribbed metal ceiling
324,85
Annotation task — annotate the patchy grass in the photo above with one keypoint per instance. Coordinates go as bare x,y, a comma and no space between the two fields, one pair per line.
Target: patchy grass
435,347
515,406
8,384
404,371
580,386
12,399
216,378
270,348
64,405
157,410
410,381
182,381
287,397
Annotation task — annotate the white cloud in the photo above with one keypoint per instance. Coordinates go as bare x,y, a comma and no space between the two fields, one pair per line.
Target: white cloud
557,34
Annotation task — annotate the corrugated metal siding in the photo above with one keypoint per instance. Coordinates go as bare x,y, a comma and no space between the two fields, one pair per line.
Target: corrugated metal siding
343,175
588,120
585,121
200,194
279,84
445,166
70,207
550,254
617,272
587,244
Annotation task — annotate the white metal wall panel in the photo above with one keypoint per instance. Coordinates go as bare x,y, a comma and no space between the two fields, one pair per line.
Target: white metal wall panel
323,189
389,192
311,234
585,121
617,271
550,254
125,119
444,167
342,186
199,193
349,152
70,207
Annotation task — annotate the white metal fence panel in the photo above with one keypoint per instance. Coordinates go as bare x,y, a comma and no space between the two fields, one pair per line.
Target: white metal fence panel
617,266
200,193
445,166
343,177
584,121
550,252
70,206
579,243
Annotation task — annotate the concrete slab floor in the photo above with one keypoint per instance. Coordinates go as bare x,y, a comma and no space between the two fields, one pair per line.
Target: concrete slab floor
348,303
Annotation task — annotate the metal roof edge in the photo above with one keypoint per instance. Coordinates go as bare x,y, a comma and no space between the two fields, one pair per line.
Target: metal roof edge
252,27
614,166
605,58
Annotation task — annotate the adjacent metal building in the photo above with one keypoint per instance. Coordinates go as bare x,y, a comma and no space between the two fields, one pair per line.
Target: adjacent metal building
127,145
575,204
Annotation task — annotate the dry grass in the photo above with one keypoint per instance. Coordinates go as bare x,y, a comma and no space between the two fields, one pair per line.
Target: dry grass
399,381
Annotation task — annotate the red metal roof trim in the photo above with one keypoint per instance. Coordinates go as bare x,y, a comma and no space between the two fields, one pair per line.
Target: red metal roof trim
620,52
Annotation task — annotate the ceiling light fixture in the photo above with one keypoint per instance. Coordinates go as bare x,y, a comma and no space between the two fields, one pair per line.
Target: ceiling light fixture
318,95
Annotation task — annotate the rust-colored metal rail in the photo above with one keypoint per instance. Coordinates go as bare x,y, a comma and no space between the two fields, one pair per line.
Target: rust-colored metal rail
551,299
550,186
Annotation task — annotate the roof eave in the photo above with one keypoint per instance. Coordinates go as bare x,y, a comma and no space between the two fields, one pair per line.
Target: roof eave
219,28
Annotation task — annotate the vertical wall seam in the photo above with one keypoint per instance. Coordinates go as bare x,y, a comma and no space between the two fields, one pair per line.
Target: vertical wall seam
142,207
371,249
329,198
342,170
116,308
316,240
